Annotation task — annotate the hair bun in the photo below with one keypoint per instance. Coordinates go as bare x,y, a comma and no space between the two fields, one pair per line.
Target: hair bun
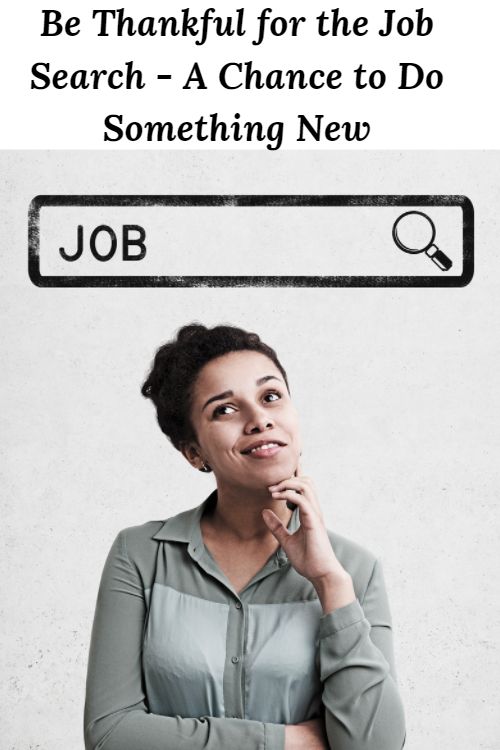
189,332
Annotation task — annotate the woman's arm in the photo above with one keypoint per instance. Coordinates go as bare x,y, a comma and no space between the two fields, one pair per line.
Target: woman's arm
363,710
310,734
116,711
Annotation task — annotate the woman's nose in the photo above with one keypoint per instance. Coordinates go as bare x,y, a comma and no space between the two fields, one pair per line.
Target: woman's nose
258,421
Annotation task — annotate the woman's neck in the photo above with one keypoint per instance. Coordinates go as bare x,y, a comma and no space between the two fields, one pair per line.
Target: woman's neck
238,514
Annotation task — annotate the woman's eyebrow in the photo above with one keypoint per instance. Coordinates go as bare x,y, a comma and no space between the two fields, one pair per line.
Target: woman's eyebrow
263,380
227,394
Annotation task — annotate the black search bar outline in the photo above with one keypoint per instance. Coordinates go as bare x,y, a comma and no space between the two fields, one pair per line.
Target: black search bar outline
228,201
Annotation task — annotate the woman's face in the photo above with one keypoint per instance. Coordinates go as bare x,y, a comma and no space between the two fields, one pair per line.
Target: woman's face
245,424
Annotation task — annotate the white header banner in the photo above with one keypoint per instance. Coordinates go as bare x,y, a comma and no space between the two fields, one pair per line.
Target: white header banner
294,75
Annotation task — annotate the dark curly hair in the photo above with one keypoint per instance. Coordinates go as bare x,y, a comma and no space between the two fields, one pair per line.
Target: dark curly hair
177,363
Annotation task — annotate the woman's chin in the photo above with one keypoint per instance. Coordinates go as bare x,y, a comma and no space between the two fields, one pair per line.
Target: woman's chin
272,475
262,475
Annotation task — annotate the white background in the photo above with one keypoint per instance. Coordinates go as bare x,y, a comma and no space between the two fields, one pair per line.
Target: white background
397,390
461,114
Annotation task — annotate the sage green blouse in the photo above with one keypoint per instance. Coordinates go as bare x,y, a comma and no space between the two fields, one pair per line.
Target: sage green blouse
178,659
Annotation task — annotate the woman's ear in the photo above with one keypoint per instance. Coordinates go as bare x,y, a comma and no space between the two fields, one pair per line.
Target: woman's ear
191,453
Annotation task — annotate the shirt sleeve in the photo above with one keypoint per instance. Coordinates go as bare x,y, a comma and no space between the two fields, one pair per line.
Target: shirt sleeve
116,712
363,709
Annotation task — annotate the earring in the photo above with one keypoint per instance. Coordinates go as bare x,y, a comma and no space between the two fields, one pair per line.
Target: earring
205,468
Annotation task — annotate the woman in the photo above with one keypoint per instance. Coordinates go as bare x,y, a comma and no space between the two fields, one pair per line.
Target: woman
242,623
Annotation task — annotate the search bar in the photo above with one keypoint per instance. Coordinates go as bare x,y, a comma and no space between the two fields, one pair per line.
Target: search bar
249,240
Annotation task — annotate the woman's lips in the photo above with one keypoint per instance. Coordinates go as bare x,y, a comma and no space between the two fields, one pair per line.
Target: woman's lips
266,450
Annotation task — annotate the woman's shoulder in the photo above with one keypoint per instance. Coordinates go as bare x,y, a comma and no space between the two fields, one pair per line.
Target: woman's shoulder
136,548
138,539
359,562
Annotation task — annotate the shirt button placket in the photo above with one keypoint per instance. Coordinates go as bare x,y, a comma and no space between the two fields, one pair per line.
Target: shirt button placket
236,659
234,670
238,605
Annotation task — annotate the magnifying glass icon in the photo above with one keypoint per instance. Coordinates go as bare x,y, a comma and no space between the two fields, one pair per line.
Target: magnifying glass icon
414,232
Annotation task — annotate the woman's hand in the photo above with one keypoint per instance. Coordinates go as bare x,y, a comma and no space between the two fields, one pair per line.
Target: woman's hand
309,549
310,734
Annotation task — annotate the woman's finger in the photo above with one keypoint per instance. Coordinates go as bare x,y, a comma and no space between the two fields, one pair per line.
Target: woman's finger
298,485
309,517
299,473
275,526
292,483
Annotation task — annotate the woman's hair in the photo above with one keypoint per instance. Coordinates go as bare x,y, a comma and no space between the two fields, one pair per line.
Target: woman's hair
177,363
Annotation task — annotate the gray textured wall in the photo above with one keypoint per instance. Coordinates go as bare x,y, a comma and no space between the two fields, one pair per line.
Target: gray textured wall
399,398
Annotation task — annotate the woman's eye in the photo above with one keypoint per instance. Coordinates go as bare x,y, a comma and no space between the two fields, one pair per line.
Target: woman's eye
223,409
272,396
